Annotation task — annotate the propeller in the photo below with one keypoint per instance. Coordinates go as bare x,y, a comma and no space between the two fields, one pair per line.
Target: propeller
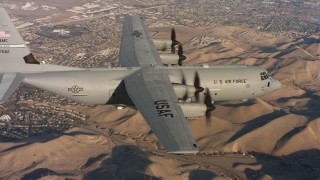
183,81
196,84
199,89
210,106
180,53
174,40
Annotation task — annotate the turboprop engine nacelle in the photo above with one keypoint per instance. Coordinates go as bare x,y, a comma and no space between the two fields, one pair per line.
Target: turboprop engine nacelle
171,59
193,110
184,91
162,44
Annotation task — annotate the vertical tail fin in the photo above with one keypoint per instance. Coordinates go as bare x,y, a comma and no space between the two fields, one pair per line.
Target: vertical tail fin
16,59
13,51
15,56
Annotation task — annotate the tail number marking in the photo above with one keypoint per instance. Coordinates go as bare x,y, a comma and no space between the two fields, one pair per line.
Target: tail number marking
4,51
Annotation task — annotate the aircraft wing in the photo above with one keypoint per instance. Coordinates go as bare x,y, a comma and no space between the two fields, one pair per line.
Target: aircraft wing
151,90
137,48
152,93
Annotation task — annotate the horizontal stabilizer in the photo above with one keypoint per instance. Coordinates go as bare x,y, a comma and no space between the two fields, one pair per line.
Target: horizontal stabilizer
8,83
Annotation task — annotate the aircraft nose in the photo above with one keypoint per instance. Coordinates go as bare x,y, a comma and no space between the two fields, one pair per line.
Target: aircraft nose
275,85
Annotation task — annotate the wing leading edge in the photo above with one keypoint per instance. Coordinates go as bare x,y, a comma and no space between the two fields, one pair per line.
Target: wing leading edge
152,93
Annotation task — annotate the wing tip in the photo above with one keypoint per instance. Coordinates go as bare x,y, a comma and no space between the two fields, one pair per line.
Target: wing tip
185,151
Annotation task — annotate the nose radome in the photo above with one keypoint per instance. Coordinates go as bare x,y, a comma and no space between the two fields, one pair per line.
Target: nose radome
276,85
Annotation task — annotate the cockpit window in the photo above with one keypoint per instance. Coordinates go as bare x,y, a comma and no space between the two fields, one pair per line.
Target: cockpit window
264,76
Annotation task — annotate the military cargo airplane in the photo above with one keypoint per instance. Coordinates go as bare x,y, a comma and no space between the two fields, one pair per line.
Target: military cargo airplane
164,92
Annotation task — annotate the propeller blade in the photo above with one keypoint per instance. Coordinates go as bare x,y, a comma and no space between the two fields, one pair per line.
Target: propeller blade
173,49
197,86
208,99
210,106
180,53
196,80
173,35
208,115
180,50
174,40
185,97
208,118
183,81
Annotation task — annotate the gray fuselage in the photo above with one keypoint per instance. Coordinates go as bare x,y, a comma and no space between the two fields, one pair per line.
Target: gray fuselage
105,85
